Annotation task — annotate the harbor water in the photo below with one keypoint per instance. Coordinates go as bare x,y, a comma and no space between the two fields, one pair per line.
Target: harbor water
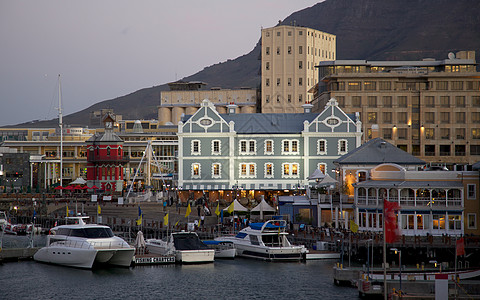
224,279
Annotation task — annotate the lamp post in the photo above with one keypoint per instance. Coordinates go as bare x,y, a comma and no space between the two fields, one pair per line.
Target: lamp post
400,264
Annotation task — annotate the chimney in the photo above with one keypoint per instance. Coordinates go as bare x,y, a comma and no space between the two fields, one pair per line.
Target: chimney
307,108
231,108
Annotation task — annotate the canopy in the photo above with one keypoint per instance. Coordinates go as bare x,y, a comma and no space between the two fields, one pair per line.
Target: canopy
79,180
71,188
316,175
263,206
58,188
327,180
94,187
237,206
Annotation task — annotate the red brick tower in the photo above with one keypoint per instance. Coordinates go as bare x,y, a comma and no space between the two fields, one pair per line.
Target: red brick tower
105,158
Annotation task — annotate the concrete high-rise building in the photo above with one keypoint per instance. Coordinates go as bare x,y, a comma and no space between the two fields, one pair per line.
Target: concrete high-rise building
429,108
289,55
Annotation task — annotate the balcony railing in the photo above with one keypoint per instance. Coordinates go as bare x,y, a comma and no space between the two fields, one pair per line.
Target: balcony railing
105,158
412,202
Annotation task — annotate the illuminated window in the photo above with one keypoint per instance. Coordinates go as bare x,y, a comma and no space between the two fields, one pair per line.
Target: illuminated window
248,170
290,170
268,147
290,147
268,170
196,170
216,169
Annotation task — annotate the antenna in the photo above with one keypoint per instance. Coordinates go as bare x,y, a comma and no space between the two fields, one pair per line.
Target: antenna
60,123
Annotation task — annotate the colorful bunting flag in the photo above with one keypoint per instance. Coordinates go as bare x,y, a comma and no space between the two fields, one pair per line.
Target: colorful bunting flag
231,208
99,210
390,221
165,220
353,226
189,210
217,211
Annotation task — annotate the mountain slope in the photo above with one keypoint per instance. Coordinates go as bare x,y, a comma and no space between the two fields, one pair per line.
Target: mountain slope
365,29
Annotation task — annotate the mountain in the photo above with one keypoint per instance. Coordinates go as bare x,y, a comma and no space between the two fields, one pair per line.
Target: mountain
365,29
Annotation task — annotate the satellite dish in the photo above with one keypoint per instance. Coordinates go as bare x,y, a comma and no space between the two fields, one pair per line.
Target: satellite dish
451,55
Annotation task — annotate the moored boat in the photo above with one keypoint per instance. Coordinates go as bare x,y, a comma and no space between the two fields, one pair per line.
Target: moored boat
186,246
266,241
85,245
223,249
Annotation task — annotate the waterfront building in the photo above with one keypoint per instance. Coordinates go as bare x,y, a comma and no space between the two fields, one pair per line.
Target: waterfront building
429,108
105,158
186,97
289,55
432,202
260,154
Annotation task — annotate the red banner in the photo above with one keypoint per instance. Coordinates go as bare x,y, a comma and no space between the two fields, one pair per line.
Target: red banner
460,247
390,221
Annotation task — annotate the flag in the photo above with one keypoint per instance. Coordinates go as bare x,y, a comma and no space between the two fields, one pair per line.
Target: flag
460,247
139,220
67,211
390,221
353,226
99,210
230,208
189,210
221,216
177,223
165,220
217,211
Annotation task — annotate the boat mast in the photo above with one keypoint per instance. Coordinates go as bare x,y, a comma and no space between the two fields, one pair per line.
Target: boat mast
60,123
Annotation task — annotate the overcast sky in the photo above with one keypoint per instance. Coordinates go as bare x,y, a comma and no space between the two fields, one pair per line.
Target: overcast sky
108,48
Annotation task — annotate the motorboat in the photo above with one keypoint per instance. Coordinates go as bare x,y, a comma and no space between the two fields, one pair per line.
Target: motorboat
267,241
186,246
3,219
223,249
85,245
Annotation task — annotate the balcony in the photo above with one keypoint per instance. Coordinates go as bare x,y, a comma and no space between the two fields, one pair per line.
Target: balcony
420,202
105,158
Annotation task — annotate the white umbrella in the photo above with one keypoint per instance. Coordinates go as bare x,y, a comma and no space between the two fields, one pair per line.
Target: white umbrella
140,243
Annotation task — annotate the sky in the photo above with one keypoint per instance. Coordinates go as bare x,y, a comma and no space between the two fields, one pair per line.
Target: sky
103,49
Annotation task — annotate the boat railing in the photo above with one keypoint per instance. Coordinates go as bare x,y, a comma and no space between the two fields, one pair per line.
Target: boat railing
92,245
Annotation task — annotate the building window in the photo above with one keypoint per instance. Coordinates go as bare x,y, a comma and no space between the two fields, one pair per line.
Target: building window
472,221
457,85
267,50
215,147
429,101
442,85
429,150
387,101
289,81
267,98
354,86
300,65
267,65
471,191
300,81
476,101
289,147
300,98
300,48
289,98
268,147
267,82
290,170
445,133
387,117
370,85
269,170
372,101
356,101
460,133
289,50
342,147
445,117
473,85
195,147
372,117
460,101
474,150
216,170
429,133
402,101
108,151
402,133
475,117
322,147
430,117
278,81
387,133
444,150
460,150
278,50
248,170
196,170
322,167
445,101
385,85
248,147
460,117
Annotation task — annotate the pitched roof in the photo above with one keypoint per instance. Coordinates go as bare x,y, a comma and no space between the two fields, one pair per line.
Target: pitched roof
105,137
378,151
269,123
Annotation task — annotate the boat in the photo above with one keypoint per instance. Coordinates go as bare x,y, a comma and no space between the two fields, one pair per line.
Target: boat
3,219
223,249
266,241
186,246
85,245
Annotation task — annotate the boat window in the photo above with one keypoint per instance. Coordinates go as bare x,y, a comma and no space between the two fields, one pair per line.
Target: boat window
272,240
254,240
241,235
96,233
63,231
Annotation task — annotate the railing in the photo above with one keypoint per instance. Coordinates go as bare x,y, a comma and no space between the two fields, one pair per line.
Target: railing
411,201
92,245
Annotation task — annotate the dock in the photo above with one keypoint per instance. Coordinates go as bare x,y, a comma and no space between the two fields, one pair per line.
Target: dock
17,254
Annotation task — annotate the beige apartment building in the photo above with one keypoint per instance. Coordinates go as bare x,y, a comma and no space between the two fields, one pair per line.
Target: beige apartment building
289,56
429,108
186,98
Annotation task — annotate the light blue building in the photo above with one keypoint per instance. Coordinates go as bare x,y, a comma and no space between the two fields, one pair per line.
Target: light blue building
260,154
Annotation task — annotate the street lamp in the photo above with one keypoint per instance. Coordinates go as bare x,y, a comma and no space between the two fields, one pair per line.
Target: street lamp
400,264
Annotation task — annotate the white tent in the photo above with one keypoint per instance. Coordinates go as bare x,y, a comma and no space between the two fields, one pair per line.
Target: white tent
327,180
316,175
237,206
263,206
79,180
